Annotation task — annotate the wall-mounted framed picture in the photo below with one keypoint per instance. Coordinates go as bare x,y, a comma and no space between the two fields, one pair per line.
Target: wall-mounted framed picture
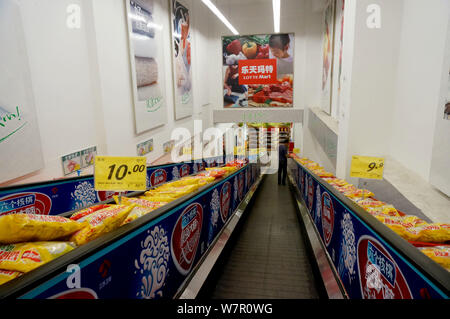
145,33
258,70
327,55
20,144
181,56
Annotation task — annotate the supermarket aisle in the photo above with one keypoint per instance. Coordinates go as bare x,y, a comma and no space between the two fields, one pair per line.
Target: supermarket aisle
269,258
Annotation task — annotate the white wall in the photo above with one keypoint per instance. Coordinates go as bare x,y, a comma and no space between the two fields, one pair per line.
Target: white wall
82,81
367,119
418,83
62,83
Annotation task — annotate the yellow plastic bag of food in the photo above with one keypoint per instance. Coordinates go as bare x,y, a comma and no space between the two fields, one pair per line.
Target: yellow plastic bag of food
185,181
440,254
137,212
25,257
139,202
385,209
101,222
433,233
7,275
16,228
87,211
369,202
158,198
336,181
322,173
351,193
406,227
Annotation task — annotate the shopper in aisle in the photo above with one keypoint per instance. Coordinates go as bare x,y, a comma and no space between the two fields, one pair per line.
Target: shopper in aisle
282,162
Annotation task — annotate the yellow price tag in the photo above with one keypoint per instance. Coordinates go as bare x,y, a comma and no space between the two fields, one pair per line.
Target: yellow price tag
187,150
296,151
112,173
367,167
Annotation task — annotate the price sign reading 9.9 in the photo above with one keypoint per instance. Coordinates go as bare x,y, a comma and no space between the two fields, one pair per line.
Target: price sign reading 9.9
367,167
112,173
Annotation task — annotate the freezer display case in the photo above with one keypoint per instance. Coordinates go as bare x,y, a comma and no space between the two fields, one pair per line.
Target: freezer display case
367,258
71,194
151,257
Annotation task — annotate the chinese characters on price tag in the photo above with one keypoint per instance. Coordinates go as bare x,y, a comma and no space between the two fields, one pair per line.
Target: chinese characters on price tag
257,71
120,173
367,167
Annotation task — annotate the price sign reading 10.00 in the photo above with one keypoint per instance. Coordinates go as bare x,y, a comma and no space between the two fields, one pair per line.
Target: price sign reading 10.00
112,173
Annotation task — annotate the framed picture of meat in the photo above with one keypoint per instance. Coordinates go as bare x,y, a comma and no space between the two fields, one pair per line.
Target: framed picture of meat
146,61
327,64
258,70
181,55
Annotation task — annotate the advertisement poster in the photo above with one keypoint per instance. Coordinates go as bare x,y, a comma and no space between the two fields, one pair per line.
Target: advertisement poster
337,64
147,67
181,42
258,70
20,145
327,64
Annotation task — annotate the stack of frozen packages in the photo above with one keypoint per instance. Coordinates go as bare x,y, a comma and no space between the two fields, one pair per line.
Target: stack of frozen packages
28,241
433,239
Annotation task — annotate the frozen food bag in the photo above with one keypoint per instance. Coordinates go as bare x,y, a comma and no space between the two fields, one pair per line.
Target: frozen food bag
87,211
7,275
24,257
16,228
440,254
101,222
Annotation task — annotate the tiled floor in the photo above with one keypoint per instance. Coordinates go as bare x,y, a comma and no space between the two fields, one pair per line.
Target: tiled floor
269,259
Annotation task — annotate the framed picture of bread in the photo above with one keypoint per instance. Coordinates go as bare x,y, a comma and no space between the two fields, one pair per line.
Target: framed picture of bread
145,27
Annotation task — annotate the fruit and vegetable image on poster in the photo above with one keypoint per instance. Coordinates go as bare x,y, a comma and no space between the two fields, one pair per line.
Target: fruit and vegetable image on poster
327,46
146,61
181,42
20,145
258,70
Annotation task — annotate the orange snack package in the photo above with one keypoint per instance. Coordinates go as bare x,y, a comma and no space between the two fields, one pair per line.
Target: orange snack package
101,222
16,228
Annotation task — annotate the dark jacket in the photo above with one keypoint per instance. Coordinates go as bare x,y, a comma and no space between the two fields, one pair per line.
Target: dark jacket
282,153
